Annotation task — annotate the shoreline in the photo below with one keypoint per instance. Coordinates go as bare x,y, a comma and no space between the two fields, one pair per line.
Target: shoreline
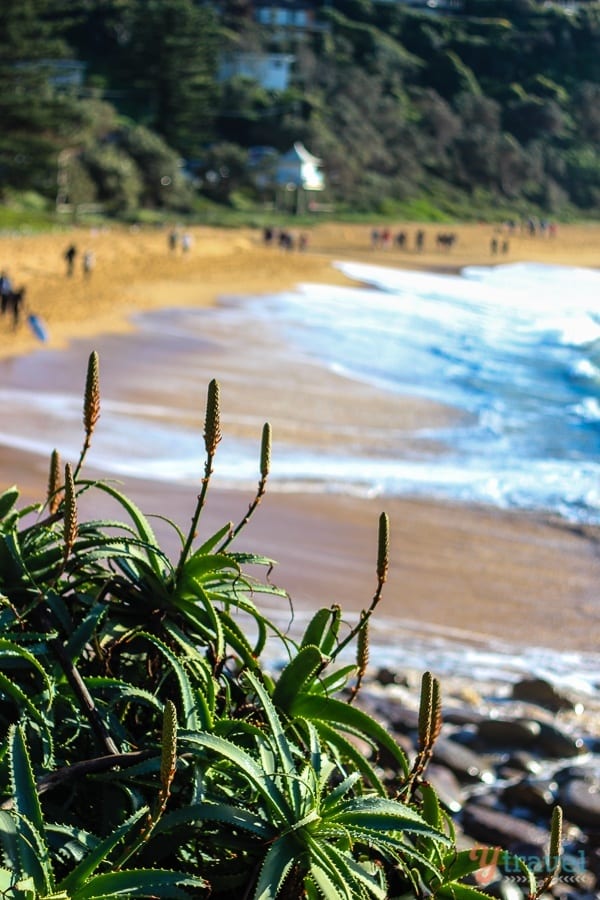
512,577
134,270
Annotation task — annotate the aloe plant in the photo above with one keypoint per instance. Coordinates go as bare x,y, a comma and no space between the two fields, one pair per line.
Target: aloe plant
148,750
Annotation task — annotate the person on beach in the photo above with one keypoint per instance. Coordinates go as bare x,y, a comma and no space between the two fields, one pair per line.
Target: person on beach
173,240
88,262
419,240
5,291
186,242
70,254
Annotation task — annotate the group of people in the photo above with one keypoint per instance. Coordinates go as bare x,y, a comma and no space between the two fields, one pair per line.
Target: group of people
11,300
180,239
383,239
284,239
88,260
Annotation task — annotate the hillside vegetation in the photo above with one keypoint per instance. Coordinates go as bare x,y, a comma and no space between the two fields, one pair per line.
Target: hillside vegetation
491,111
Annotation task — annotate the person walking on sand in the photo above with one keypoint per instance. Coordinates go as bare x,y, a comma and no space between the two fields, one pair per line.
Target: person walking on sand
70,254
5,291
88,262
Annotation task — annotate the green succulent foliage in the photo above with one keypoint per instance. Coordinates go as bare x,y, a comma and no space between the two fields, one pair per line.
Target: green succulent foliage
147,750
29,870
307,832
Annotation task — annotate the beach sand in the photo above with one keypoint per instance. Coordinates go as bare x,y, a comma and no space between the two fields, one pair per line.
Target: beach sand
463,572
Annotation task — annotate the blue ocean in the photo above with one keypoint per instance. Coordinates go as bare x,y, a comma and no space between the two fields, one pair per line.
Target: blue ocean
512,352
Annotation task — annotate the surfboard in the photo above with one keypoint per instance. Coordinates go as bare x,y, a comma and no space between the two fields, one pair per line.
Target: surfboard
38,327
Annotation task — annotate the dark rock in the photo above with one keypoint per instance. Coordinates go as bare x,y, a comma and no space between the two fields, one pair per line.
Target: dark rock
462,716
510,832
535,795
509,732
588,770
404,719
387,676
580,800
447,787
554,742
542,693
524,762
462,761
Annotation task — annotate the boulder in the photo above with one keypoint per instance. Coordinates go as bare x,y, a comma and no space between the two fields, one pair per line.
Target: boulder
543,693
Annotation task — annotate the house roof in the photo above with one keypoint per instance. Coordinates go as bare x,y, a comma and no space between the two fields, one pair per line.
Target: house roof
299,153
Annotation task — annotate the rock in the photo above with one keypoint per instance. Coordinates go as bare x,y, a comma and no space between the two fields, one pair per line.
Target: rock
508,732
404,719
535,795
462,761
588,770
524,762
510,832
387,676
462,716
542,693
580,800
554,742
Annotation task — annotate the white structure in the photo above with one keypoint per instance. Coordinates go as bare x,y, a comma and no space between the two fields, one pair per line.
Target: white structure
300,169
270,70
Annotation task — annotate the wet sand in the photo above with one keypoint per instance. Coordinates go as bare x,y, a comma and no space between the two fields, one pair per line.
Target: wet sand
462,571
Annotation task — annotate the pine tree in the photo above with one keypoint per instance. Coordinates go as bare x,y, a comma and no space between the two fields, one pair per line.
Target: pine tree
174,45
36,117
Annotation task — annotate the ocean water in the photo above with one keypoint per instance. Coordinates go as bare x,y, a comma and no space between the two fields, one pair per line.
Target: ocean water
516,347
514,350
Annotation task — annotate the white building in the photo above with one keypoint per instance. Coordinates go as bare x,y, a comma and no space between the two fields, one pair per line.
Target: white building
270,70
300,169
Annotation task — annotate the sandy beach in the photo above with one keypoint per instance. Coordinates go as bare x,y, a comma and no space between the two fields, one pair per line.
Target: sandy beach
465,572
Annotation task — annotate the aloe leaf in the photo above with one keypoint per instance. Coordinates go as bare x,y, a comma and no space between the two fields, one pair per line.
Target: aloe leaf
334,682
8,498
209,545
381,814
84,631
294,677
275,868
232,816
189,717
9,649
350,718
430,805
323,629
33,861
159,883
78,877
141,523
199,565
465,862
278,737
22,780
112,690
354,874
260,780
22,701
326,871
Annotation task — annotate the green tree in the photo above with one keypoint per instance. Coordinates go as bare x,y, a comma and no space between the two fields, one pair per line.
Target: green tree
173,59
38,119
